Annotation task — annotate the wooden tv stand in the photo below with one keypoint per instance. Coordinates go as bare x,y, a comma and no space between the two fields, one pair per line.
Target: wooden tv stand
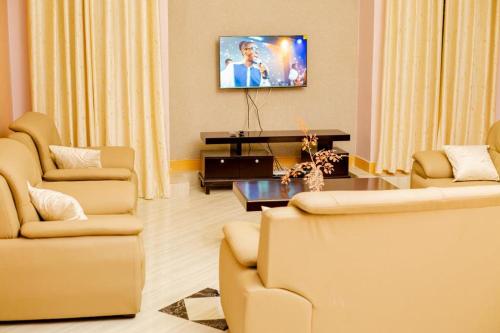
222,168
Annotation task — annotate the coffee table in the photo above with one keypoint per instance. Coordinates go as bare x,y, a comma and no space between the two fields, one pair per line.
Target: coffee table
254,194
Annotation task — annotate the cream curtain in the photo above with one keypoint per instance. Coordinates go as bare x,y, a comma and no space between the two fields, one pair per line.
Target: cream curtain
470,52
410,81
96,69
432,94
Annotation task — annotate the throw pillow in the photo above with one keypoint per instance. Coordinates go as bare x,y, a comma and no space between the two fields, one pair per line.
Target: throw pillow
471,163
55,206
75,158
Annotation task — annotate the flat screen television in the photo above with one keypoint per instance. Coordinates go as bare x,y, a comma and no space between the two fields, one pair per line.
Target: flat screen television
263,61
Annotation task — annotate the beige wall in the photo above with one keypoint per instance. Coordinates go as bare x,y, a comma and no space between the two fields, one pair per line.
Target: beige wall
365,56
19,63
196,102
15,96
5,90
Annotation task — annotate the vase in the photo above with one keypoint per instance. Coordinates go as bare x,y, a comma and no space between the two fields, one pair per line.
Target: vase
314,180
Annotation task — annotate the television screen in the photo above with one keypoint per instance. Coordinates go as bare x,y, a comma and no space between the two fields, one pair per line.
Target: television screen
263,61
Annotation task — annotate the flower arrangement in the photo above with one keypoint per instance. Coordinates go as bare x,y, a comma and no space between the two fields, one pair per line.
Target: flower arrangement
321,162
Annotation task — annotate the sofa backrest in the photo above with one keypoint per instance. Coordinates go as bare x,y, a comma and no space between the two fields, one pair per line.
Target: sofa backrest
42,130
493,141
9,222
26,140
389,259
17,167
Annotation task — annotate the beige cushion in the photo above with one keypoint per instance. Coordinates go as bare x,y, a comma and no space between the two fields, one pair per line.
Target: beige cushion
471,162
243,239
55,206
75,158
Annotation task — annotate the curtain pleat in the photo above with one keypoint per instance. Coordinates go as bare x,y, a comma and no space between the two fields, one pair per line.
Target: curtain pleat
469,71
95,68
410,84
439,71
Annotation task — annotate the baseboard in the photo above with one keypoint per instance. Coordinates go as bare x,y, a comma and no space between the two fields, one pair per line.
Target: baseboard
363,164
185,165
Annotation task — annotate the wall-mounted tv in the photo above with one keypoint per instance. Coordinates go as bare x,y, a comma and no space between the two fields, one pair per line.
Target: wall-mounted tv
263,61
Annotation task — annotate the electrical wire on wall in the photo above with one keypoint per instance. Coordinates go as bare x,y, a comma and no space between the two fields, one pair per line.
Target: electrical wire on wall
252,103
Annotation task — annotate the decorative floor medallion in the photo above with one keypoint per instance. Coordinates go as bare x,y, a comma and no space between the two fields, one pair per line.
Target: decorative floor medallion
202,307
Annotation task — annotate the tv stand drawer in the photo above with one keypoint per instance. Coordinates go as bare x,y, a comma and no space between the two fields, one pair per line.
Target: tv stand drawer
256,167
221,167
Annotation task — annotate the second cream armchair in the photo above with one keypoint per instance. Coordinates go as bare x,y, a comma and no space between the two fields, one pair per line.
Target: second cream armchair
432,168
113,186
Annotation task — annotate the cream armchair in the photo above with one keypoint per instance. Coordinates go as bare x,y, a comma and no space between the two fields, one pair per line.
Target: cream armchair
422,260
432,168
37,131
63,269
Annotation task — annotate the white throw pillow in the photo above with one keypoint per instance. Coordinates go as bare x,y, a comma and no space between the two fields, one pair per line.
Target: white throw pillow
55,206
471,163
75,158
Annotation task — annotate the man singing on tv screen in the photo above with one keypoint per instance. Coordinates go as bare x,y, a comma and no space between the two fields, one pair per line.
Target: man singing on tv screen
250,72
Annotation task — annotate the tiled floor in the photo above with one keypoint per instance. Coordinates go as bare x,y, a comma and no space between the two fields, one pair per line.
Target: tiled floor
202,307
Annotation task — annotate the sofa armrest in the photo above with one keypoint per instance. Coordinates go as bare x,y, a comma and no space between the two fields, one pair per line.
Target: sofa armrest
434,164
117,157
243,239
116,226
88,174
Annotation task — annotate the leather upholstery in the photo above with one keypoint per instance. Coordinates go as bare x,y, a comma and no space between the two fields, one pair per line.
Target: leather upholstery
70,277
99,197
243,239
87,174
28,142
37,131
493,141
117,157
251,307
374,270
418,181
435,164
110,225
409,200
18,168
66,269
9,223
42,130
432,168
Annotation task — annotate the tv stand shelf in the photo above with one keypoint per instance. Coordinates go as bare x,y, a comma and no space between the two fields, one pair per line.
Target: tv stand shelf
222,168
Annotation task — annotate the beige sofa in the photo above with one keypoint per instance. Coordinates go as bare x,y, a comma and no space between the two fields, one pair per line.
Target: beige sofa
432,168
64,269
115,179
412,261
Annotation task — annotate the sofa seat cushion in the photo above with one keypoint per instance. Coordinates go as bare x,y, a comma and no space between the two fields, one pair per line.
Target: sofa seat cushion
87,174
420,182
98,197
104,225
243,239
